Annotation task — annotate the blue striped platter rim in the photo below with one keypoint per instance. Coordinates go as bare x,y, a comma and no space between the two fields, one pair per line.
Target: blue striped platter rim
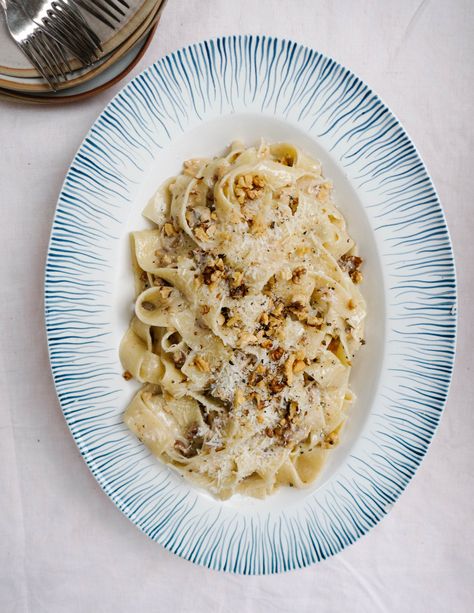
280,79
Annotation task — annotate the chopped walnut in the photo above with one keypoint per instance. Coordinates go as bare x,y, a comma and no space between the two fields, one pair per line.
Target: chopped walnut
289,369
269,285
273,322
200,233
293,203
127,375
163,258
211,274
253,194
297,274
205,308
203,213
278,310
330,440
351,264
253,378
238,292
257,399
275,386
298,309
278,431
334,345
277,353
193,443
211,230
239,397
249,187
169,229
191,167
299,366
294,409
246,338
313,321
201,364
236,278
233,321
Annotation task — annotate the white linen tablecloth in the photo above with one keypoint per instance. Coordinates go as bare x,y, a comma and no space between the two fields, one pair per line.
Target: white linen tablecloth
64,547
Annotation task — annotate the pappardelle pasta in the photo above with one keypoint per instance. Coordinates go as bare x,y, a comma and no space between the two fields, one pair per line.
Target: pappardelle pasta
247,318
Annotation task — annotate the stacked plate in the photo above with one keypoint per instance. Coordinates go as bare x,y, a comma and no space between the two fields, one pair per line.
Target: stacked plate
121,50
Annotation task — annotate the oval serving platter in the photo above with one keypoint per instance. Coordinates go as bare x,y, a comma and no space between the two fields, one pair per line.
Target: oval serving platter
191,103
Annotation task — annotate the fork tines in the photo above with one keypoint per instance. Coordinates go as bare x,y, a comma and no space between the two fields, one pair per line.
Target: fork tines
50,31
64,23
101,9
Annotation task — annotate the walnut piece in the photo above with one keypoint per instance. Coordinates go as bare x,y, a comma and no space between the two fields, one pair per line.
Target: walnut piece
239,397
201,364
299,366
169,229
351,264
275,386
297,274
277,353
249,187
289,369
200,233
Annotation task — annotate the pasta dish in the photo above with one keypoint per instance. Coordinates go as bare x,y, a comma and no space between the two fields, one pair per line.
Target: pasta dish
247,318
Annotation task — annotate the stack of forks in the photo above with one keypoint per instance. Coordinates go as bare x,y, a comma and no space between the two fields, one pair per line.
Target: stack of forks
53,34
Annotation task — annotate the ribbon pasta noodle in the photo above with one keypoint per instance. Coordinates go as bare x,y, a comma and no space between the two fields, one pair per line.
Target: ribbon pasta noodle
247,318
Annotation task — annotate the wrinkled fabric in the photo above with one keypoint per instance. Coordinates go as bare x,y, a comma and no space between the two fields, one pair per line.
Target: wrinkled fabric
64,547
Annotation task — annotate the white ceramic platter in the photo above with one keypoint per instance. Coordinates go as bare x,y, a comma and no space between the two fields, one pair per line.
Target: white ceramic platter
193,103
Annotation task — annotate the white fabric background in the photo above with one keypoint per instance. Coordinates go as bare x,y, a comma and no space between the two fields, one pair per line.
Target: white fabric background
64,547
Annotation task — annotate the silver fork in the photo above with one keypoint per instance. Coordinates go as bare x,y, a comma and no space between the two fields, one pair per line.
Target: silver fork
63,21
44,53
104,8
